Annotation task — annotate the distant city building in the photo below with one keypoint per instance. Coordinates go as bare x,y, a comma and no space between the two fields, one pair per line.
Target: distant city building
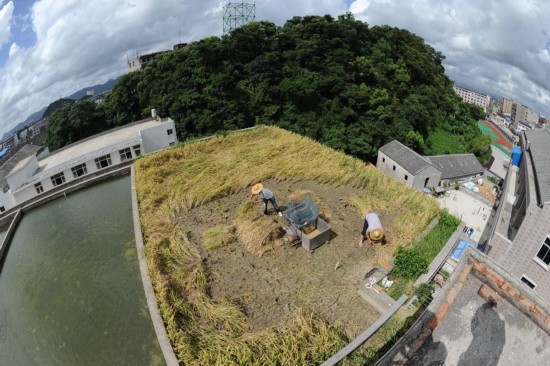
521,114
414,170
532,118
473,97
507,105
32,175
520,237
138,62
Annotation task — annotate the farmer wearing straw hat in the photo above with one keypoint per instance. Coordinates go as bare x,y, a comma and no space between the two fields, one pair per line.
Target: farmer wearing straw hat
372,229
264,195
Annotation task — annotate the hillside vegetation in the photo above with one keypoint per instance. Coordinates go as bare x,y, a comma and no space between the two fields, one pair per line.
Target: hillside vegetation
339,81
178,181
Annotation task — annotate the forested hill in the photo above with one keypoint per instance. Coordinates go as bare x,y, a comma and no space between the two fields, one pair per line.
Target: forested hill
338,81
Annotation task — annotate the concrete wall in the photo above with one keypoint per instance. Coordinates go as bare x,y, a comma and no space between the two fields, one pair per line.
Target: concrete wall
433,175
157,137
29,191
516,250
6,200
18,177
386,165
520,257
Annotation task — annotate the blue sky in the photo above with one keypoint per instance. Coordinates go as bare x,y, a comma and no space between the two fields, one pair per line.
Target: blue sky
51,48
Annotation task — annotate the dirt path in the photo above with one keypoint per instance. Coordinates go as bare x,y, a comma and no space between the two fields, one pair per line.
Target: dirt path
270,287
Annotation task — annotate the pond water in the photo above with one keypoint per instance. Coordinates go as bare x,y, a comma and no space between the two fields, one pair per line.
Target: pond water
70,288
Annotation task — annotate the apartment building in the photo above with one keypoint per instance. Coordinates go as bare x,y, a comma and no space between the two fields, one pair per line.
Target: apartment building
522,114
507,105
473,97
520,236
138,62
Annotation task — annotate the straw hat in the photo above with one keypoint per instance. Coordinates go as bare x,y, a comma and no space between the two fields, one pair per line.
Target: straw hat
376,234
256,188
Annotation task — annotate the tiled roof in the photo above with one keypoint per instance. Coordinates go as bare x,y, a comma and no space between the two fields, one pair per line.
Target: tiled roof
456,165
409,160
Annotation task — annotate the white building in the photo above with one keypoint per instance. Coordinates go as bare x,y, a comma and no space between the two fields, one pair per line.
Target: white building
33,175
407,166
414,170
473,97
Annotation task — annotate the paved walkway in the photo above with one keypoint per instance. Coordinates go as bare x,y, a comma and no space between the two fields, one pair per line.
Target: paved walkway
498,165
473,212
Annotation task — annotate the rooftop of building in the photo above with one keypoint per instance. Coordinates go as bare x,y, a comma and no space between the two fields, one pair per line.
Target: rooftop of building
23,154
456,165
407,158
538,141
482,316
96,142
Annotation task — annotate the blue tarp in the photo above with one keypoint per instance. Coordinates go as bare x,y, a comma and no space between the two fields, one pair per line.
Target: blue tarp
516,155
461,249
3,152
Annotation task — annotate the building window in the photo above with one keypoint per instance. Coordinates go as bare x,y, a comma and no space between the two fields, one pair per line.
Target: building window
2,209
103,161
383,160
544,252
528,282
125,154
394,168
39,188
170,131
79,170
58,179
137,150
406,177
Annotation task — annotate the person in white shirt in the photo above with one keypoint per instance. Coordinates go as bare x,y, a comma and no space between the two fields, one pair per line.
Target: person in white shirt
265,195
372,229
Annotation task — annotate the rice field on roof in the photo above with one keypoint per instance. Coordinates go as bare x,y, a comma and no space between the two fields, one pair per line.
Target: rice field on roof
176,181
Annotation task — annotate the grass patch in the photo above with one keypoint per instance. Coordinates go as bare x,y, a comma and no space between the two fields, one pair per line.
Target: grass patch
207,332
411,262
443,142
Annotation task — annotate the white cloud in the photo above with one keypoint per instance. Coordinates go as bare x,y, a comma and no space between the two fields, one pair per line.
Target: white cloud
6,13
13,49
359,6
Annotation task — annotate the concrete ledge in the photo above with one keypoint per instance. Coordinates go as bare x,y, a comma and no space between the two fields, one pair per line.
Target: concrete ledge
439,260
363,337
158,323
68,187
7,239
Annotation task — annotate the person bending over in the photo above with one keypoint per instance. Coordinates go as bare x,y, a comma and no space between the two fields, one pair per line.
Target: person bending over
265,195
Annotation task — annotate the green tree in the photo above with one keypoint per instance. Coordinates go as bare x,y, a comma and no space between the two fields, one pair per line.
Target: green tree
339,81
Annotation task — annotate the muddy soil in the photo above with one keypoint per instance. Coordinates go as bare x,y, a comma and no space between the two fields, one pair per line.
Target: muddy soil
269,288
